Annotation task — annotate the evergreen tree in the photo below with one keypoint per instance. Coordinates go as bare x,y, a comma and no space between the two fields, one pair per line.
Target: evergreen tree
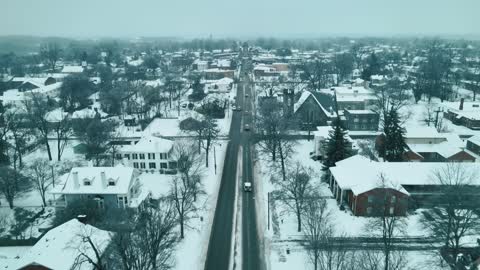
337,147
394,144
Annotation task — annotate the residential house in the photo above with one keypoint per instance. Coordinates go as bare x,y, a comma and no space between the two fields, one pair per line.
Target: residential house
110,187
361,120
369,188
352,97
72,69
473,145
463,113
151,153
428,145
313,109
67,247
217,74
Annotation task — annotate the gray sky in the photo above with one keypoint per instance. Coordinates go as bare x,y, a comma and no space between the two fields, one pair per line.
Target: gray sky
239,18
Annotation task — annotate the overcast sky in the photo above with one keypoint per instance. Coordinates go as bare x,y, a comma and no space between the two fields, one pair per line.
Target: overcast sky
239,18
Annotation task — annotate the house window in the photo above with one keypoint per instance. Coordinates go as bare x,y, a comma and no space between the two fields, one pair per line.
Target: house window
122,201
127,156
393,199
163,156
392,210
87,183
118,156
142,156
111,183
142,165
369,210
355,120
370,199
152,165
135,165
134,156
151,156
163,165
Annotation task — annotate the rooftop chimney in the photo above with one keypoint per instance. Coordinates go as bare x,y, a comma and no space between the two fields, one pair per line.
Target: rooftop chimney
104,179
76,184
461,104
82,218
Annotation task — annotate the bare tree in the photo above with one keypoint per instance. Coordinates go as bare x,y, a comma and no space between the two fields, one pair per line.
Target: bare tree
316,74
149,243
274,141
455,213
182,195
40,174
50,52
209,135
90,251
296,190
373,260
315,216
63,130
393,95
189,164
37,107
386,222
12,184
18,132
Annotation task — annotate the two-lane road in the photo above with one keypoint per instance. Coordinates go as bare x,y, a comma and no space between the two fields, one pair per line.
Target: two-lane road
219,247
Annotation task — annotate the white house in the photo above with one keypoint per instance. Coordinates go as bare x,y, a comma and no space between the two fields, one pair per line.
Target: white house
151,153
108,186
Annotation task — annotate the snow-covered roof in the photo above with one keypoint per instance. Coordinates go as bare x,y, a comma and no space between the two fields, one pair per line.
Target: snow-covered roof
59,248
166,127
360,174
150,144
123,177
422,132
72,69
305,95
471,110
474,139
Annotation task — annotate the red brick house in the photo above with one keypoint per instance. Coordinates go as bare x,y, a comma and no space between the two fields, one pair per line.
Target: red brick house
369,188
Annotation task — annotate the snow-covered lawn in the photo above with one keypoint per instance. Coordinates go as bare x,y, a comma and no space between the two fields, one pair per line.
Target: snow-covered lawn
191,251
343,221
299,259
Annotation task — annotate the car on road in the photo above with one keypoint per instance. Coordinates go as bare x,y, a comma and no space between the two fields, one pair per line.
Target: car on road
246,127
246,95
247,187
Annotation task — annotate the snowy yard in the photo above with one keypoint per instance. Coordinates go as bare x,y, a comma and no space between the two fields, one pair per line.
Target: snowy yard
343,221
192,250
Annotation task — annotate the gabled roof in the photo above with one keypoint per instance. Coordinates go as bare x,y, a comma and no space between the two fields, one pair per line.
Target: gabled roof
59,248
319,98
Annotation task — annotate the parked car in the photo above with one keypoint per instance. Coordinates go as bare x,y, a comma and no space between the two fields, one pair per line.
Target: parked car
246,127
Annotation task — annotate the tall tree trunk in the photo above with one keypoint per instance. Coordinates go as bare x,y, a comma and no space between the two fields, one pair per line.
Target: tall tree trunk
206,156
48,148
282,161
182,233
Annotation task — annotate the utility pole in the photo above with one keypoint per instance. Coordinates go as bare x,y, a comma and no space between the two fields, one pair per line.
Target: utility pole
268,210
215,160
